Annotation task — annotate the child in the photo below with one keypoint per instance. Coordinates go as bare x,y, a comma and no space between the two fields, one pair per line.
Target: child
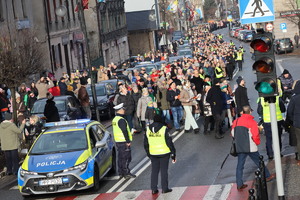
150,113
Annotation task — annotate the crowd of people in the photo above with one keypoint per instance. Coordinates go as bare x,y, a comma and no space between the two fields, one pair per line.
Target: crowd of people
176,95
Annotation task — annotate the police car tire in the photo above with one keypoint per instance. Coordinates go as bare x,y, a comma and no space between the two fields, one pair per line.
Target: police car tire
96,179
27,197
114,162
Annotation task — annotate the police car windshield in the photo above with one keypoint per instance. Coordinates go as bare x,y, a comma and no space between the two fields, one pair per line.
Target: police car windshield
59,142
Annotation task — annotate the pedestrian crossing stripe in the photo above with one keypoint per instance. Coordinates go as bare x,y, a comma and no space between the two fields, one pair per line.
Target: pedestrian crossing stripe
206,192
255,11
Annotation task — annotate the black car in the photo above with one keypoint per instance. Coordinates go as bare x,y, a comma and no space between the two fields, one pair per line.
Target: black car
114,82
68,108
105,93
283,45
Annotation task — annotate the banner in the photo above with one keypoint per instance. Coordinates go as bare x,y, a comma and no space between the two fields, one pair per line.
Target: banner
173,6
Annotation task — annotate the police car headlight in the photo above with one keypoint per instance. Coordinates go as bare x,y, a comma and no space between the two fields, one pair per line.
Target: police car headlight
25,172
81,166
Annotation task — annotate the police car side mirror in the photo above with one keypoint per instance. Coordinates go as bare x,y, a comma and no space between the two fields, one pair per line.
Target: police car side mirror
24,151
100,144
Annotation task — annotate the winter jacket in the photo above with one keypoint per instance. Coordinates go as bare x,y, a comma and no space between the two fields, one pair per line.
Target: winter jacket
241,98
142,107
171,97
215,99
246,134
63,88
198,83
293,110
10,135
161,97
155,127
51,112
150,113
43,88
3,103
136,97
184,97
128,103
286,82
83,97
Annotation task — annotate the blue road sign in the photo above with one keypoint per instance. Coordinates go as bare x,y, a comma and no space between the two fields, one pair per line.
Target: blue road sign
283,26
256,11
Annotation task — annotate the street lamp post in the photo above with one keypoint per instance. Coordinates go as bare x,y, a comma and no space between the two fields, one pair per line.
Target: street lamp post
61,11
165,25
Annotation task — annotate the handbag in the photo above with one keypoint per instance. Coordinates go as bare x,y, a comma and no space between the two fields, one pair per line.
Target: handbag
233,149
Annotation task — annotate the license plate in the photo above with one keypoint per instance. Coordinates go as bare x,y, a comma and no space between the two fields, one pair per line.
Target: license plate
55,181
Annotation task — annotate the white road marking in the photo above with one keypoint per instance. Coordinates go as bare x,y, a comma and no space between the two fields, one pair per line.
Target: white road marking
14,188
128,195
174,195
280,66
218,192
146,159
87,197
111,178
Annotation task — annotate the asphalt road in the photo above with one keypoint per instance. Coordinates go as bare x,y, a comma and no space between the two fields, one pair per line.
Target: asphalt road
201,159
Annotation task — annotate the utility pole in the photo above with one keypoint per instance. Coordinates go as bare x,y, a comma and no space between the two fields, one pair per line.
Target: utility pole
165,25
83,28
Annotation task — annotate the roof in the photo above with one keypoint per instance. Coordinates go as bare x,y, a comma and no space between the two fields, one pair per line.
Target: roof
139,20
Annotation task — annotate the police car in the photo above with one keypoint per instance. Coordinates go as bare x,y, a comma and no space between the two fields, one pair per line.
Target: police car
69,155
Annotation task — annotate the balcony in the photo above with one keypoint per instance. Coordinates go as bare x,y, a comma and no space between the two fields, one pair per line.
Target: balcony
113,35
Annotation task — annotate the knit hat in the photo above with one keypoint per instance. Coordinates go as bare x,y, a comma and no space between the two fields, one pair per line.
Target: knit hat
239,80
149,103
285,71
8,116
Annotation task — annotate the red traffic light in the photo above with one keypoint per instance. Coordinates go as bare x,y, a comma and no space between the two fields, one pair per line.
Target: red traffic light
264,65
262,44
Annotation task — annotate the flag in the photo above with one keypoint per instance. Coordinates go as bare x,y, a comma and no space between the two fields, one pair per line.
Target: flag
85,5
199,11
173,6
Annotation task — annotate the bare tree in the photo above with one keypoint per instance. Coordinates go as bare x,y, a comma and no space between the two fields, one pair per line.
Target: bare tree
21,56
210,7
294,12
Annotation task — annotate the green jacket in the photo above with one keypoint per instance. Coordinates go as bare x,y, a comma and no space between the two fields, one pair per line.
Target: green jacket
10,135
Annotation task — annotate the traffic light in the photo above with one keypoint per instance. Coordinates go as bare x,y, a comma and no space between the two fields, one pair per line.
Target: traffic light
264,65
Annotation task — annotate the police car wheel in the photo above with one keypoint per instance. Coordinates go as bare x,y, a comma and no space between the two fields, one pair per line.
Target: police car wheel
27,197
96,180
114,162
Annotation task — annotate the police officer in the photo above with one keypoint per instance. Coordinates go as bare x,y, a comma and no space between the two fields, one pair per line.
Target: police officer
239,59
159,147
123,138
263,110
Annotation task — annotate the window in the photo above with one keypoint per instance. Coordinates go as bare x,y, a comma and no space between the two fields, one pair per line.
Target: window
1,10
23,4
99,132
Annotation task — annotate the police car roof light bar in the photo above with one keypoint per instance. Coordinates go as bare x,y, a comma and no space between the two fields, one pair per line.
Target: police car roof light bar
77,121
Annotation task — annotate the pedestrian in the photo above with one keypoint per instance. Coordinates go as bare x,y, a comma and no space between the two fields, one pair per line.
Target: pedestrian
150,113
296,38
239,59
136,95
287,82
208,117
123,138
246,136
31,100
142,107
62,86
4,104
215,99
241,96
43,85
162,102
173,96
293,115
32,130
10,136
159,147
84,100
187,99
51,111
34,89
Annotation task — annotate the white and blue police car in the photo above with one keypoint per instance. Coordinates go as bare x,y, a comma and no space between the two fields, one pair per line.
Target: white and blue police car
69,155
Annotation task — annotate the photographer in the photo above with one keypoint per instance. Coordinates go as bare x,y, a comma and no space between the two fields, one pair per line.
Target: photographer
43,85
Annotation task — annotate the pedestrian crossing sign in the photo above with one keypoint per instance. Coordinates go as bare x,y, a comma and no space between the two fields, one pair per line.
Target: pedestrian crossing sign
256,11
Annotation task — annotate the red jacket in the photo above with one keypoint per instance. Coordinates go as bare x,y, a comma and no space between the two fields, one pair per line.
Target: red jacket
248,121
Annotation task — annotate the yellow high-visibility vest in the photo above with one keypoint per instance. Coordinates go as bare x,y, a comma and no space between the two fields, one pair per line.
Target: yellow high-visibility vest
157,142
266,110
118,134
239,56
219,72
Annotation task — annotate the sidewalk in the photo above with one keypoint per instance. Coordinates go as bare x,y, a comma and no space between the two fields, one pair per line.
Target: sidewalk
291,178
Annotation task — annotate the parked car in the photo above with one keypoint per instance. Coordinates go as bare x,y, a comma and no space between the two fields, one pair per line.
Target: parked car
105,93
67,156
187,46
236,32
114,82
232,31
175,58
158,64
248,36
147,66
241,34
283,45
187,53
68,108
